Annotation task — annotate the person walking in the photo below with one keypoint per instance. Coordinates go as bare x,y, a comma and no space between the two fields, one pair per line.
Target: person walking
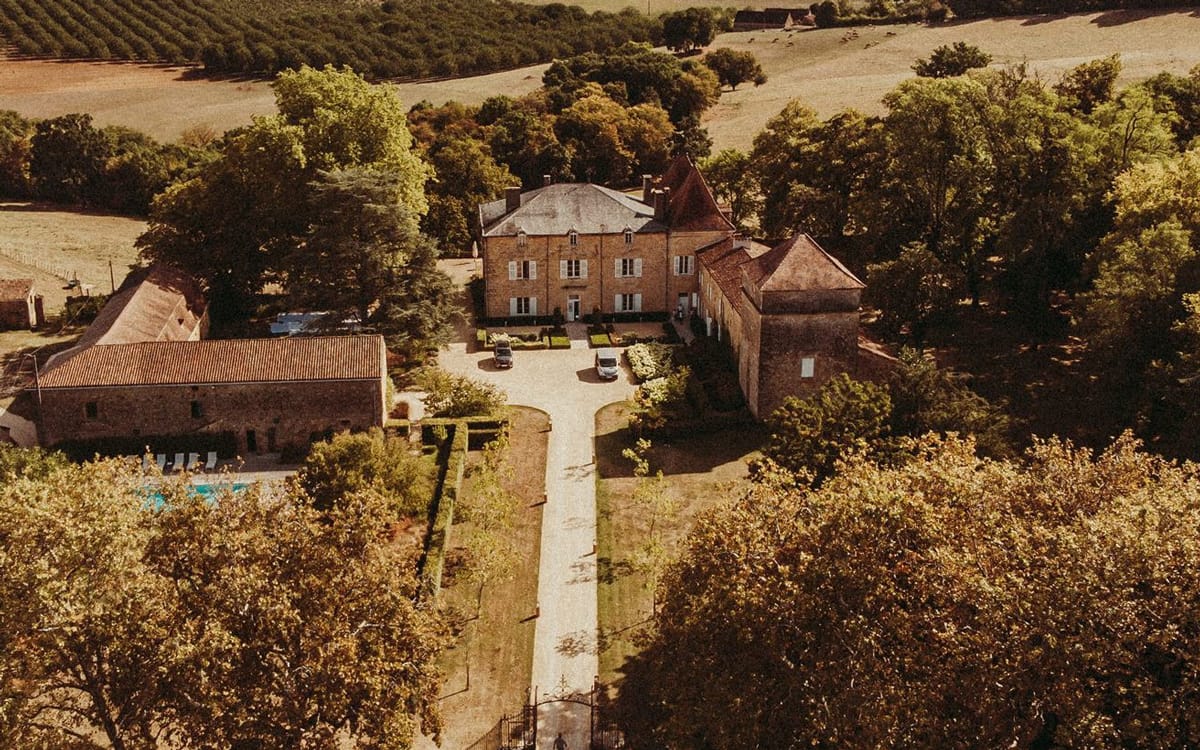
560,743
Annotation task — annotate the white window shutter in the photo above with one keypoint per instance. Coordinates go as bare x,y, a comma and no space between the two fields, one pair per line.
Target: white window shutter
533,305
512,270
637,266
533,269
637,303
512,305
806,367
616,303
676,265
617,267
583,269
562,269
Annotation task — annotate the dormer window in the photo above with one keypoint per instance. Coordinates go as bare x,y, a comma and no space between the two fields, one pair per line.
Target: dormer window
522,238
628,236
573,238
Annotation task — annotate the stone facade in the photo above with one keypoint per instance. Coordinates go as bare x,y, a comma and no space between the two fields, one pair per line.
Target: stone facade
264,417
577,248
20,306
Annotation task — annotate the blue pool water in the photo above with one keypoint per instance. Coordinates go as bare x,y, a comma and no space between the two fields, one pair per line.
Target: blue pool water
154,499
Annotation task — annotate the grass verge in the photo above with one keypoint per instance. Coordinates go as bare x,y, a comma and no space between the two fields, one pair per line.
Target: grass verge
699,472
489,669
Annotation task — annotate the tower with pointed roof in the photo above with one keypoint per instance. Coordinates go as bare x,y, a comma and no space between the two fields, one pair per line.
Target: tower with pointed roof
577,248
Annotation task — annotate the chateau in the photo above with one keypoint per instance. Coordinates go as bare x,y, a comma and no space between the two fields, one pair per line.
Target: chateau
790,313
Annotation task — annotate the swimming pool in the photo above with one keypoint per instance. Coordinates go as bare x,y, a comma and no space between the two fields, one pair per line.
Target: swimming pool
154,498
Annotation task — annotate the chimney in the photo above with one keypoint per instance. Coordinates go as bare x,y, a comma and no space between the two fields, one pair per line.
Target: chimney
662,202
647,186
512,199
547,180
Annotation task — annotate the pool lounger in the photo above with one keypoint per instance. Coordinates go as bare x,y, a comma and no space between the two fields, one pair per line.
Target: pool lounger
193,460
211,463
177,464
161,460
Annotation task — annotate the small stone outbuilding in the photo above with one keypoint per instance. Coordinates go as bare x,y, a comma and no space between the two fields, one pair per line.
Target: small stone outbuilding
20,306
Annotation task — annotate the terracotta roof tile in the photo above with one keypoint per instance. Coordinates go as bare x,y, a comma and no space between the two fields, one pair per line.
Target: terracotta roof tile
724,262
156,304
12,290
800,263
221,361
692,206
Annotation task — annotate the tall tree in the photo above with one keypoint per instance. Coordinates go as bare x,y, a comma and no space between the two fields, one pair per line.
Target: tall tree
88,632
465,175
68,158
734,67
690,28
1087,86
235,223
362,255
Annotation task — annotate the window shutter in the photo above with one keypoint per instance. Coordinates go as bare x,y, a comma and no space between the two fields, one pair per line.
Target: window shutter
533,305
583,269
637,303
616,303
562,269
806,367
617,267
637,266
677,271
512,270
533,269
512,305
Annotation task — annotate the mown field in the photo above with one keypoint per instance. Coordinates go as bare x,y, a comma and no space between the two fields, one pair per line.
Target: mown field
831,69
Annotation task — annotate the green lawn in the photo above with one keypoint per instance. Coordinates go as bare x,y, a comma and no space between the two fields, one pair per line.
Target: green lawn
699,473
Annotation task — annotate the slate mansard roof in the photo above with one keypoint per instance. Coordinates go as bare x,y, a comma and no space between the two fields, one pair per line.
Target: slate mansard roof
562,208
319,358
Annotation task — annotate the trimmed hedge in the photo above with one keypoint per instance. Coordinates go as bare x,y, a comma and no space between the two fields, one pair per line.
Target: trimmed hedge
649,361
452,460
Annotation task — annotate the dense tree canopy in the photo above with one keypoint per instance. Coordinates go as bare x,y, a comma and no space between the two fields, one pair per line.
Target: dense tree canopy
129,622
279,202
948,602
690,28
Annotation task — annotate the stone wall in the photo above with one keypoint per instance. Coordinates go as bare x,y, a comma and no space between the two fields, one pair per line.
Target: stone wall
272,416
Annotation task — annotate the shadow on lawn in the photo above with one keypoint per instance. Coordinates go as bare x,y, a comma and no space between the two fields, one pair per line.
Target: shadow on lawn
697,453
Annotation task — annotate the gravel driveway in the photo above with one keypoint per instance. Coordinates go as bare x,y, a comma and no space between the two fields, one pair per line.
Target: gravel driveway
565,385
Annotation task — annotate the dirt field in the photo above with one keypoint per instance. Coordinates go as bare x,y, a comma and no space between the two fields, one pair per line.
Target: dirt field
163,102
80,243
816,65
831,74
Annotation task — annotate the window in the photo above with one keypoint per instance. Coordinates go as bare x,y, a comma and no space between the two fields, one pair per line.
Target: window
628,303
573,237
628,236
627,267
91,410
522,239
574,268
522,269
522,305
806,367
683,265
197,410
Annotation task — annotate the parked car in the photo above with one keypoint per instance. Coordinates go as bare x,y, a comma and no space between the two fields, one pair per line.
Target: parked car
502,354
608,364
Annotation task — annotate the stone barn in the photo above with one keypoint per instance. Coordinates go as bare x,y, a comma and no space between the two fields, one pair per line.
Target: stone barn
269,394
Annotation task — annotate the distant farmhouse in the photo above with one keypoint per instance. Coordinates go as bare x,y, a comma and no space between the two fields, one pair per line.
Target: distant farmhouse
143,374
770,18
20,305
790,313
